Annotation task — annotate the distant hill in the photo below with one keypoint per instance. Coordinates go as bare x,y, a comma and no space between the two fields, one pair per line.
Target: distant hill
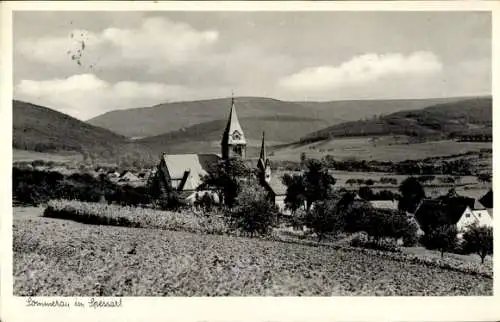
435,122
279,129
196,127
170,117
42,129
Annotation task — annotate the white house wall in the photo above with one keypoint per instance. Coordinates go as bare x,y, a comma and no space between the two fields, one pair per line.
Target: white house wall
481,217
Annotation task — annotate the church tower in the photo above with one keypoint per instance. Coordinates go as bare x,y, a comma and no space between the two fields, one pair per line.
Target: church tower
263,164
233,140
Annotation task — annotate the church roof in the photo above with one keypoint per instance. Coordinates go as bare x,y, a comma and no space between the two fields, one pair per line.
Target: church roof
233,126
277,186
196,165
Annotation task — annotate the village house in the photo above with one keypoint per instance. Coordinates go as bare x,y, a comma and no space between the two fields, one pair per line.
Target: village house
458,210
184,172
128,176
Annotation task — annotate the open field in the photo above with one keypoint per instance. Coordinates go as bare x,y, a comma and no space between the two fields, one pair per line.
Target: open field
28,156
65,258
467,186
365,148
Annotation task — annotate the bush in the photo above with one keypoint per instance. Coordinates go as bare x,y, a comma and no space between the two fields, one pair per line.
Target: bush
171,201
254,212
426,178
384,245
389,180
114,215
298,219
206,202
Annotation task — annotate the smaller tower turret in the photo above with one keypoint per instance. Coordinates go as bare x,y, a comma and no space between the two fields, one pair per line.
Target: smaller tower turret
263,164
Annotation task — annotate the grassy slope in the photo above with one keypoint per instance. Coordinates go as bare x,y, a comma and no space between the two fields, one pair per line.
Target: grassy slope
56,257
168,117
41,128
436,121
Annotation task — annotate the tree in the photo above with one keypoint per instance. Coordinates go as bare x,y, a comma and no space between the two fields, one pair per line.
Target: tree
366,193
442,238
253,211
426,178
369,182
484,177
478,240
412,193
350,181
314,184
325,218
303,159
295,194
225,178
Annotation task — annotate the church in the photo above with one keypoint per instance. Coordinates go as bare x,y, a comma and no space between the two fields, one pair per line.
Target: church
183,172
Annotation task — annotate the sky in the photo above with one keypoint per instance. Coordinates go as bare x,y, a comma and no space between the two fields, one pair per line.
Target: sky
88,63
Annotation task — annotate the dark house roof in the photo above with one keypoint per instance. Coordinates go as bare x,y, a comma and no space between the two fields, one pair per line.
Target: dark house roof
189,168
487,199
451,209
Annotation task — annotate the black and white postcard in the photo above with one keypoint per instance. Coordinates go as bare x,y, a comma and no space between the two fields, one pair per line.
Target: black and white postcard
262,160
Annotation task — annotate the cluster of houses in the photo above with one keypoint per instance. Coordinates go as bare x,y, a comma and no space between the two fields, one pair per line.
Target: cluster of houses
459,210
183,173
124,177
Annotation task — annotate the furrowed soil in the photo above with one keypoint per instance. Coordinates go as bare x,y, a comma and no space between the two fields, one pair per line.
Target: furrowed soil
54,257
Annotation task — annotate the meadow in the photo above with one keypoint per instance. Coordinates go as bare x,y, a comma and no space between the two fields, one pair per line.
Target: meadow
368,148
29,156
66,258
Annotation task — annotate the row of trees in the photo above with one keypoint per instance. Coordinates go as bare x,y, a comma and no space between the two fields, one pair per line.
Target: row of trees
33,187
429,166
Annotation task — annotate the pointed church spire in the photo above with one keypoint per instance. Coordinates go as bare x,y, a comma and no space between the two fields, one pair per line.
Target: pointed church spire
233,139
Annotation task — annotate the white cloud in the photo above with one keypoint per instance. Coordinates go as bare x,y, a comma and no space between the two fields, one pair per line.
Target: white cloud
362,70
84,96
154,46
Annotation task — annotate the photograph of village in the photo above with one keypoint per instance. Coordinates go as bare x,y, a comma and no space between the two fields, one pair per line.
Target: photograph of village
252,153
